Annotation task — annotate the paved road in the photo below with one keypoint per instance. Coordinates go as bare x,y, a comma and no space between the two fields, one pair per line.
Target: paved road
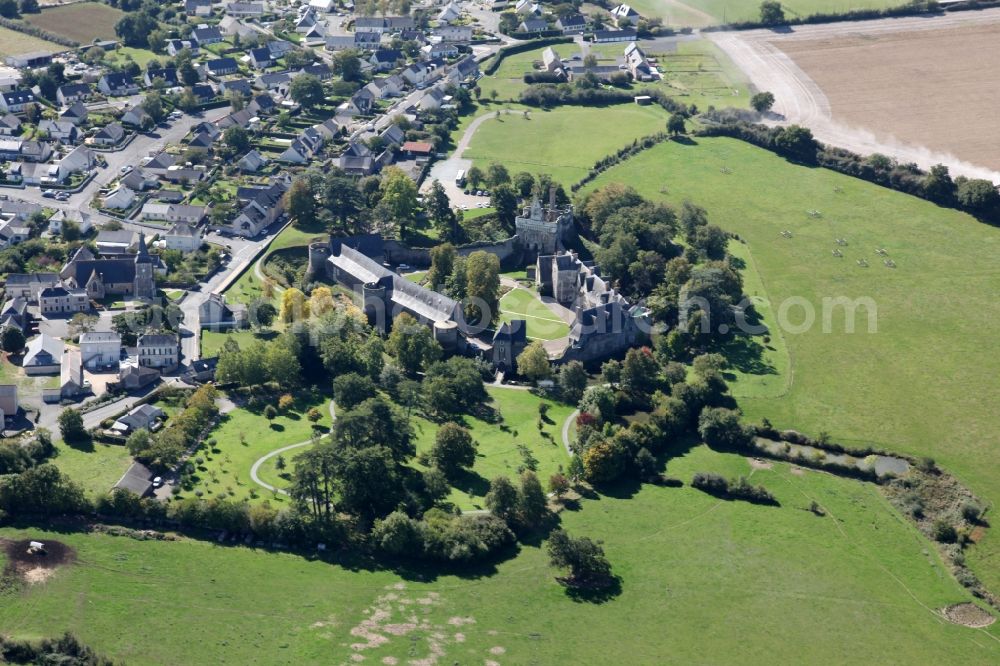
565,431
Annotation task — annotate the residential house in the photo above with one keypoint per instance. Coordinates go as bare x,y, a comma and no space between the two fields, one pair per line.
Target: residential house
184,237
367,41
262,105
202,142
440,50
624,15
10,125
252,162
216,313
142,417
117,84
159,350
78,160
572,24
120,198
417,150
139,180
15,314
261,207
60,130
203,92
306,21
454,33
433,98
206,35
324,6
167,74
201,370
465,70
100,348
315,36
68,93
76,113
79,218
28,285
222,66
533,25
361,102
175,46
383,60
60,300
110,135
134,377
231,26
245,9
116,241
339,42
450,13
279,47
303,147
278,82
14,101
175,213
260,58
43,355
200,8
71,381
241,86
358,160
160,163
137,117
527,8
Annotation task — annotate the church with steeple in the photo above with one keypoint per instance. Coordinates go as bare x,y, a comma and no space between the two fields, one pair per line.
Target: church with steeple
131,276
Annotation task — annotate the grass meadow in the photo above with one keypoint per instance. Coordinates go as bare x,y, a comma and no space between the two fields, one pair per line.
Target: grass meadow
702,580
82,22
925,382
564,143
498,443
15,43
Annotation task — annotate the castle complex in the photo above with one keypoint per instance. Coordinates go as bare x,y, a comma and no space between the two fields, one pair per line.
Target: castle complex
604,323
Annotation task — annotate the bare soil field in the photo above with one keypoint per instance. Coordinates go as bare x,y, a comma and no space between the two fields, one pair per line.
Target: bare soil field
932,88
920,89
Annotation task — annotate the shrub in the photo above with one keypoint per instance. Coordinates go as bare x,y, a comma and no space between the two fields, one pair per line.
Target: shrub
971,512
740,488
943,531
285,402
270,413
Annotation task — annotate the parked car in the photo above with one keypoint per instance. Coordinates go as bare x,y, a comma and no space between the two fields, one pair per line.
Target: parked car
157,482
126,169
49,194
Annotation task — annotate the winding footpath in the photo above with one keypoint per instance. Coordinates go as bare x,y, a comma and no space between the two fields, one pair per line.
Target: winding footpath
277,452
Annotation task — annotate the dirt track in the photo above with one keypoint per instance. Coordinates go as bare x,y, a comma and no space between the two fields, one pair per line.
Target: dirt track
921,89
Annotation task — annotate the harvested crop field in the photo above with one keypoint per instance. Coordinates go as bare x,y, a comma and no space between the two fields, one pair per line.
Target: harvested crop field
928,94
14,43
82,22
925,87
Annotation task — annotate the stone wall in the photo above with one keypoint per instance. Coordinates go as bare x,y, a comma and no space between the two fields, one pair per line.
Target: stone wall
420,257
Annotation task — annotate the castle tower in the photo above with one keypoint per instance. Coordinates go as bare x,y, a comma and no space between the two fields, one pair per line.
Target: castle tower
145,286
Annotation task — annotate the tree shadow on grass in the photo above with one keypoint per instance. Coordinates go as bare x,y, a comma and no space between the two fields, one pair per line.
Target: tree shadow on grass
746,354
82,444
470,481
277,427
594,595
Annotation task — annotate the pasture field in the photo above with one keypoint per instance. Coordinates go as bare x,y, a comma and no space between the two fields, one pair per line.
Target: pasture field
542,322
565,142
508,80
498,453
702,579
212,341
97,467
951,106
13,42
82,21
929,366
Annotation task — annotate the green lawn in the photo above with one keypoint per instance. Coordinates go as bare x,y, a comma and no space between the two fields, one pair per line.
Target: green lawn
552,141
925,383
241,439
97,469
702,580
499,454
543,323
140,56
508,80
212,341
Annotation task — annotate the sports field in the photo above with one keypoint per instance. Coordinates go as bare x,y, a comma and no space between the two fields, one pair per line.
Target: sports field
14,43
702,580
82,21
542,322
564,143
925,382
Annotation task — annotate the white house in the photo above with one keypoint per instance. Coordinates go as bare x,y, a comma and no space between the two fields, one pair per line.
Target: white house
100,348
14,101
119,198
159,350
183,237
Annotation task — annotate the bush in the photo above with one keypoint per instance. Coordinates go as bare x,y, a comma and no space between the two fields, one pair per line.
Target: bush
944,532
971,512
285,402
740,488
